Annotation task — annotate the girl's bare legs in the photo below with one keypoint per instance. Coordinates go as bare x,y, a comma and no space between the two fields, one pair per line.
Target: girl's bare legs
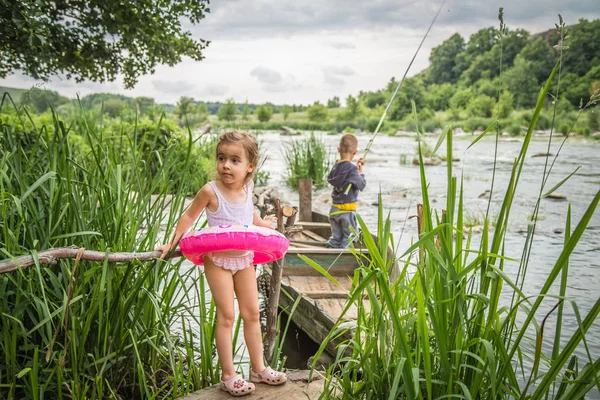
247,295
221,286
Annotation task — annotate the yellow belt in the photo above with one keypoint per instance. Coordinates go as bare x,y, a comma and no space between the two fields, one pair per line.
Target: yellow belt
346,206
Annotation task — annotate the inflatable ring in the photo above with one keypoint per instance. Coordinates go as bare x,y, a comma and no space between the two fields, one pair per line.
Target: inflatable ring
267,244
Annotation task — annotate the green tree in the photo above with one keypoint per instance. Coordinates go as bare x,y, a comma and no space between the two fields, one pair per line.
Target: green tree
184,106
437,97
353,108
202,110
317,112
541,56
505,104
443,60
227,111
334,102
245,111
412,89
584,47
264,113
42,99
373,99
285,110
522,84
481,106
114,107
97,40
144,104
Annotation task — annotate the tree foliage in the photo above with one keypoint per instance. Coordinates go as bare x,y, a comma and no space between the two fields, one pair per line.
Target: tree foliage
443,60
317,112
264,113
42,99
227,111
334,102
97,40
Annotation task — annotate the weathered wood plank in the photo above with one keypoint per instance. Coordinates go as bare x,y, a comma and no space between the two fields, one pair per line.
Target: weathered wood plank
311,224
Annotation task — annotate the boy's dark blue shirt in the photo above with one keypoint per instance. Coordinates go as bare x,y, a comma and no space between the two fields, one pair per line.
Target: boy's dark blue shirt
342,174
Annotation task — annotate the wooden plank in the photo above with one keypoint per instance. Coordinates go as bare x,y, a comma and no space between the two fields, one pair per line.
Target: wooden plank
309,317
335,264
319,287
311,225
314,236
310,243
336,306
327,251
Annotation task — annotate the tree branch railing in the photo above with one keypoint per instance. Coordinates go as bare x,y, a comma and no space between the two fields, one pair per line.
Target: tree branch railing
51,256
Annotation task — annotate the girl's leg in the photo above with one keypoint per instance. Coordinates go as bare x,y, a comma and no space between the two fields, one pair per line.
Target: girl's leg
247,296
220,282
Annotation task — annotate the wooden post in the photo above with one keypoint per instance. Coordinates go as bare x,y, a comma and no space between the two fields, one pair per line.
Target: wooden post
274,289
290,213
305,192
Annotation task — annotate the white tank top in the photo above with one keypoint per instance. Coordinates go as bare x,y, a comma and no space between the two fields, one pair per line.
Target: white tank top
231,214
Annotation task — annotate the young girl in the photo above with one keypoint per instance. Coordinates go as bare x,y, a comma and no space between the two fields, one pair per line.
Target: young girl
228,200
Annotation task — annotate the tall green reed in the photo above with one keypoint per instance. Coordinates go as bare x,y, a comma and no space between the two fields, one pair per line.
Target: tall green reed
307,158
97,330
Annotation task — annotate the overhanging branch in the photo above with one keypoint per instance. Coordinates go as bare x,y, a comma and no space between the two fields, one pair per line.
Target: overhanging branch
50,256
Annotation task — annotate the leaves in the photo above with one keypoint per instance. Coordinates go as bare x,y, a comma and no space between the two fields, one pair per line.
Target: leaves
97,40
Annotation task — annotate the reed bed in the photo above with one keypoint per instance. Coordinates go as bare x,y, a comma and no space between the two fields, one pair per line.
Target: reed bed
307,158
82,329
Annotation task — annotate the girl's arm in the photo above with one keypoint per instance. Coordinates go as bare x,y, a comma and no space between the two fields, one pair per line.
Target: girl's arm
266,222
200,202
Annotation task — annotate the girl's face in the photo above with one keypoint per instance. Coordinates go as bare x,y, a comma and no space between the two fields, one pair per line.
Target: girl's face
232,163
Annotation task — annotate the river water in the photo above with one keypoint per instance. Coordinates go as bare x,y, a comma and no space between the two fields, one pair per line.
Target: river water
389,171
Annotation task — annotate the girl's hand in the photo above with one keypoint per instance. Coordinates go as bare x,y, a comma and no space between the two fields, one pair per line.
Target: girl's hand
268,221
165,249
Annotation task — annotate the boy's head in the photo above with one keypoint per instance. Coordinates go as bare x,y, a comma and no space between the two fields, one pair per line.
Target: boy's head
348,145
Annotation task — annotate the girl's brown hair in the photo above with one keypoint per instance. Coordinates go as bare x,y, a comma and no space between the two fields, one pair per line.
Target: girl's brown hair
248,142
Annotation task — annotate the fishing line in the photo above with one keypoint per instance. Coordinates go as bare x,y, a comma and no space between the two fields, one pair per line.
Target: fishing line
398,89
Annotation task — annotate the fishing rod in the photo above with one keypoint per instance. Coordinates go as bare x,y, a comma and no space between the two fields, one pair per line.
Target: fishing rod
397,89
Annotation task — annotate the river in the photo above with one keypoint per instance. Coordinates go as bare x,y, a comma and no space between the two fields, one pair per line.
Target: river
389,171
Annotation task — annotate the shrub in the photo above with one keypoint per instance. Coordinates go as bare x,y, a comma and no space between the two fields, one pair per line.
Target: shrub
371,124
481,106
425,114
514,129
564,129
317,112
505,104
264,113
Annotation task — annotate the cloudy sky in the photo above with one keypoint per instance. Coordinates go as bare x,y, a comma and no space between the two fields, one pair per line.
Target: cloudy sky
298,52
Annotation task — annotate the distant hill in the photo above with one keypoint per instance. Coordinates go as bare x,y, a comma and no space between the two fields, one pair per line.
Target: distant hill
14,93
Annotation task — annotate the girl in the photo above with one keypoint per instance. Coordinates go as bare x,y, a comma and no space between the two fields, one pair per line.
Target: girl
228,200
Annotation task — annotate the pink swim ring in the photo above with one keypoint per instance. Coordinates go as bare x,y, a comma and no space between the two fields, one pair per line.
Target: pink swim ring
267,244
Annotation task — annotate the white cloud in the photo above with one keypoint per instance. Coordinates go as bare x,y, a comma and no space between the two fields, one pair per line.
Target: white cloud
266,75
284,52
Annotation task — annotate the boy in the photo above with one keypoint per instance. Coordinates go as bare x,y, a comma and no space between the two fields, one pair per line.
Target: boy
342,175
